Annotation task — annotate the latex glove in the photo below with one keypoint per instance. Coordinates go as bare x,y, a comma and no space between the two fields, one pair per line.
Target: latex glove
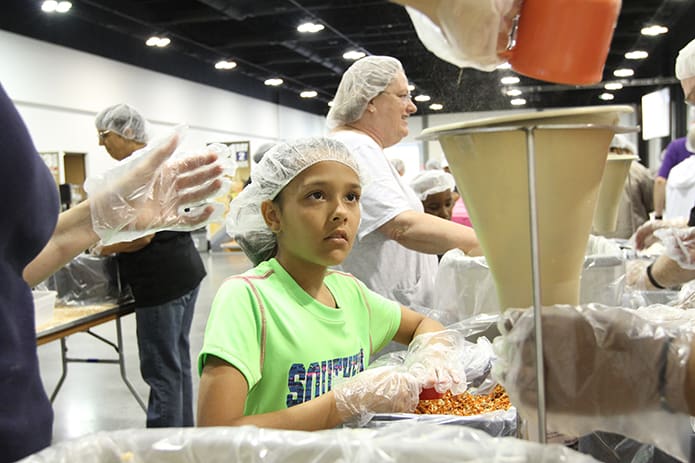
438,360
679,244
598,361
386,389
636,275
152,191
644,236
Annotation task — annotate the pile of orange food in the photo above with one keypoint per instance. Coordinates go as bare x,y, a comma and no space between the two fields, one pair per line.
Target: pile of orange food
465,404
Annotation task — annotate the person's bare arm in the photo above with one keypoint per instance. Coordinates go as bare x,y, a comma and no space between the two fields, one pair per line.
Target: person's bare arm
222,395
659,196
127,246
668,273
430,234
414,323
72,235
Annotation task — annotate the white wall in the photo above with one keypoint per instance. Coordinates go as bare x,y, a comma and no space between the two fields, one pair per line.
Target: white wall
58,91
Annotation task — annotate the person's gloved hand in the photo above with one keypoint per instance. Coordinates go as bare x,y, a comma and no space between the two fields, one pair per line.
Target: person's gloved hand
152,190
636,275
599,361
679,244
644,236
386,389
437,360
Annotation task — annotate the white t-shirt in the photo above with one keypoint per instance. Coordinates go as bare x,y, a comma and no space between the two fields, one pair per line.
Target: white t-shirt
385,266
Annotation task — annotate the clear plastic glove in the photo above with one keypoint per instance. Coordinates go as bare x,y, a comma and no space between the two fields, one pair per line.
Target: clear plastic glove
679,244
152,190
386,389
438,360
644,236
636,275
599,361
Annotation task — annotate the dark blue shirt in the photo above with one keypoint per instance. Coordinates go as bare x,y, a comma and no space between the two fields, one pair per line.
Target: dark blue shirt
29,199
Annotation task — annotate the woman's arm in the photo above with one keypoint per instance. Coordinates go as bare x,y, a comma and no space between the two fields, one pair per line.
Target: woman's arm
430,234
222,395
72,235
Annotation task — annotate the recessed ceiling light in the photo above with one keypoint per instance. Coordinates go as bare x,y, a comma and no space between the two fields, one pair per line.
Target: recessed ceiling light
504,66
354,55
226,65
411,87
308,94
606,96
436,107
518,101
654,30
422,98
310,28
510,80
273,82
330,103
513,92
160,42
636,54
613,86
53,6
624,72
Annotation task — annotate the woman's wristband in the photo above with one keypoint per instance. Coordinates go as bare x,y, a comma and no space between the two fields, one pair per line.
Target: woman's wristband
651,277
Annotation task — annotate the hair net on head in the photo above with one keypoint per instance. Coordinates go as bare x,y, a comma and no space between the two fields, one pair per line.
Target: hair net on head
123,120
621,142
685,63
431,182
361,83
260,152
433,164
398,164
282,163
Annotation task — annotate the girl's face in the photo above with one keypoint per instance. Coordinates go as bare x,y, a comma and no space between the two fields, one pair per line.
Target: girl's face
316,215
440,204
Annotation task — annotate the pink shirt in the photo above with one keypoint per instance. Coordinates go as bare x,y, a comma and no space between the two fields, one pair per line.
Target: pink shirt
460,214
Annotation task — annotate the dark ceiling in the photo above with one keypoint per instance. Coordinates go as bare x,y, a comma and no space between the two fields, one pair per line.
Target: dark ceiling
261,36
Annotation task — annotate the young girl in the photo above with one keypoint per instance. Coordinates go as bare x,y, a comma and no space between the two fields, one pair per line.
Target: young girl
282,336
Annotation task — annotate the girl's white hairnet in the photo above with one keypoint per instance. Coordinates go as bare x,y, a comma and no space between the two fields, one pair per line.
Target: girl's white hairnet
430,182
123,120
361,83
282,163
620,141
685,63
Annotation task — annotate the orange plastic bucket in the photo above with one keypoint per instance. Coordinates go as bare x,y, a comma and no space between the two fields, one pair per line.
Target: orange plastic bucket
564,41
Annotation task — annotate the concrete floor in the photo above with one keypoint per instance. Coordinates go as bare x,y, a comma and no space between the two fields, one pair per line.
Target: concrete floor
93,396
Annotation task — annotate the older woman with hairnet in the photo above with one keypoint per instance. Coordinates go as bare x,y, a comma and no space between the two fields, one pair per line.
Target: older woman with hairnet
397,244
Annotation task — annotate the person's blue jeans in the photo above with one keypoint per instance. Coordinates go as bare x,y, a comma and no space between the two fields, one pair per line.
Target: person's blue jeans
165,360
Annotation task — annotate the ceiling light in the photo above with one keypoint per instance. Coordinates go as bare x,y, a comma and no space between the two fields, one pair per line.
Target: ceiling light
436,107
308,94
513,92
223,64
637,54
310,28
160,42
422,98
518,101
504,66
273,82
411,87
510,80
354,55
654,30
53,6
613,86
625,72
330,103
606,96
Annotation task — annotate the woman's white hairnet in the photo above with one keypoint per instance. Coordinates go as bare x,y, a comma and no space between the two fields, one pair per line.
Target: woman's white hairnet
361,83
685,62
123,120
282,163
620,141
431,182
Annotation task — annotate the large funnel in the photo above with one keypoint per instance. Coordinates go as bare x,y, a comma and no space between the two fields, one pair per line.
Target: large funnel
611,191
489,160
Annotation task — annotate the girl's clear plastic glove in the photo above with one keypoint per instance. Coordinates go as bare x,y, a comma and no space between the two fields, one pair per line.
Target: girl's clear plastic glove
156,189
599,361
645,237
636,275
438,360
679,244
386,389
